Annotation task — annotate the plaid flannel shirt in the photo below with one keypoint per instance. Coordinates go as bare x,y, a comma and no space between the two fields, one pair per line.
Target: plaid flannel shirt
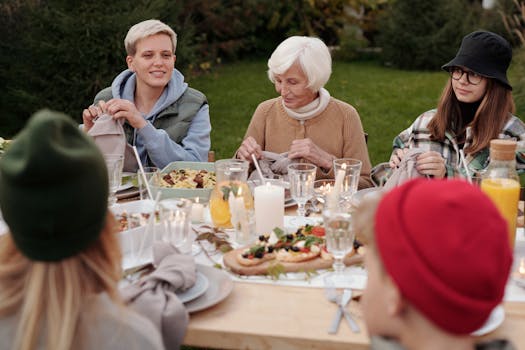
418,135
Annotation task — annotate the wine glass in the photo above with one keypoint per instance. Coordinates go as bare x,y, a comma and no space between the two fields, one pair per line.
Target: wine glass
339,237
114,164
301,177
347,171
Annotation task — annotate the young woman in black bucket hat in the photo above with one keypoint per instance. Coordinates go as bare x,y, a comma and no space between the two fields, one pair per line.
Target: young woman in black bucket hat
476,106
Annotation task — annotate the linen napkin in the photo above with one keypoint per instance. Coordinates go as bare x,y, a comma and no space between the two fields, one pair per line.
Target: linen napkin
110,138
272,164
406,169
154,295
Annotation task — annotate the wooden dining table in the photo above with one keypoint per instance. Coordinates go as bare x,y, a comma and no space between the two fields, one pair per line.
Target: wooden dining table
265,316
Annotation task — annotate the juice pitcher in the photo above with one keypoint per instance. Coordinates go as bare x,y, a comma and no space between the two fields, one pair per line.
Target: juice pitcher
231,187
501,183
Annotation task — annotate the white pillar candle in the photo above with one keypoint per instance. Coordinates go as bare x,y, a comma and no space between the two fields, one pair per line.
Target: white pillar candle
197,211
333,196
269,208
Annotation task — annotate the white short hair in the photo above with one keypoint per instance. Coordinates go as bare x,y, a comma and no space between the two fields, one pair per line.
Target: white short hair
147,28
311,53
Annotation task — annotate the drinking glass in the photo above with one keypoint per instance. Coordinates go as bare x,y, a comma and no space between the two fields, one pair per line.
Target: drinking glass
322,189
348,170
301,177
175,215
152,177
339,237
114,164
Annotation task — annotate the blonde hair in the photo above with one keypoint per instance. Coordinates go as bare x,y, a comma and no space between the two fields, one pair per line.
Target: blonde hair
364,217
312,55
144,29
50,295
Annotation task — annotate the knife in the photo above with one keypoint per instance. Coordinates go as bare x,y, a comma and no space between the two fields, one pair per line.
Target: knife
347,296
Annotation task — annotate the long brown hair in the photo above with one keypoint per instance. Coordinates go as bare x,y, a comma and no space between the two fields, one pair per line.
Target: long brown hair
50,295
495,109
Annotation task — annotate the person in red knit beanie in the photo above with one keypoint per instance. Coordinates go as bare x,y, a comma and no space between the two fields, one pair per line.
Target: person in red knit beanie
438,263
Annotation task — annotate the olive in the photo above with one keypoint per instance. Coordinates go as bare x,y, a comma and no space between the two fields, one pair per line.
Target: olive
262,238
270,249
245,255
259,255
295,249
287,248
289,237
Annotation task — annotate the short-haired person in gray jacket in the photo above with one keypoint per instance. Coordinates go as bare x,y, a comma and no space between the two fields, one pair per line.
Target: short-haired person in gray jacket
164,118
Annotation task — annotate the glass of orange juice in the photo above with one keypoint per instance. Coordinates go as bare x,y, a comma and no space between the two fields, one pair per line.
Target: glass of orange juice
231,178
505,195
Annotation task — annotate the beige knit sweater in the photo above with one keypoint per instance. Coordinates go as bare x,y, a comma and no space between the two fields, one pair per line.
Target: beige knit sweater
337,130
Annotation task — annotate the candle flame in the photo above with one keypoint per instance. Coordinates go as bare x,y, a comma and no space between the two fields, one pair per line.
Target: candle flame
239,193
343,166
196,199
522,266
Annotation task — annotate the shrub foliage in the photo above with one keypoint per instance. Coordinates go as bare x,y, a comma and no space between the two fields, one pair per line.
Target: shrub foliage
424,34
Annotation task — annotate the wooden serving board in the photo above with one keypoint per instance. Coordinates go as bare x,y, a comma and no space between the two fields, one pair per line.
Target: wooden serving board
318,263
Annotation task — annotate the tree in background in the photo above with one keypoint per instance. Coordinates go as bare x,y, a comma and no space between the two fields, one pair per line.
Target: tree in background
424,34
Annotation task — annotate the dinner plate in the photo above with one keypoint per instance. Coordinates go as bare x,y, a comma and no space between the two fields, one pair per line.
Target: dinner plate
198,289
289,203
128,193
494,321
124,186
220,286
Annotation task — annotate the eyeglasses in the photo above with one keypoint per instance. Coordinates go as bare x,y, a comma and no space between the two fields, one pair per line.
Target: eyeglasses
473,78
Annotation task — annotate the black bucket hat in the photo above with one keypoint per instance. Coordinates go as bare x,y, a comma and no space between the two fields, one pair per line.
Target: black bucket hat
485,53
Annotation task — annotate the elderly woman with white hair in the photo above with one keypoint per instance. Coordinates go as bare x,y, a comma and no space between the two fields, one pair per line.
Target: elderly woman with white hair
164,118
305,121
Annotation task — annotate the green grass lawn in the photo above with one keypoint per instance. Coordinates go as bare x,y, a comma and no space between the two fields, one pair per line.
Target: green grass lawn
388,100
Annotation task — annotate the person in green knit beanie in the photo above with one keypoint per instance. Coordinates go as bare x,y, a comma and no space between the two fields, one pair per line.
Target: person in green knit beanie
61,260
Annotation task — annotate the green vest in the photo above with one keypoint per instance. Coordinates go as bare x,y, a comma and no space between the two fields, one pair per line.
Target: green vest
175,119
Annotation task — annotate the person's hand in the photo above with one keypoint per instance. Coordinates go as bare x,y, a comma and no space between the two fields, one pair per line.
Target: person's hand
396,157
90,114
120,108
431,163
307,149
248,147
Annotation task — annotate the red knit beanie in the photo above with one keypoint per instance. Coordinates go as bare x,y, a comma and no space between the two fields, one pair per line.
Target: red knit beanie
446,247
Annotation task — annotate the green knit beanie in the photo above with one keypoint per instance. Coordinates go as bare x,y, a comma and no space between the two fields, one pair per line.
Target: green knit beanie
53,188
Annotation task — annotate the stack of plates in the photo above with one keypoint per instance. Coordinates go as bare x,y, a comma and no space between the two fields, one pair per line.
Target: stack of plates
127,189
211,287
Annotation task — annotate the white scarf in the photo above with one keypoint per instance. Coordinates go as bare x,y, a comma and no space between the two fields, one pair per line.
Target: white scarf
312,109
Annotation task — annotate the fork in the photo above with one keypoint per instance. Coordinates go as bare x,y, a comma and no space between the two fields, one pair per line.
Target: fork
341,301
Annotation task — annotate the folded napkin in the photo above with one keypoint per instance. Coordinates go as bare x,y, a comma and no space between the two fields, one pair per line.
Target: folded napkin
109,136
154,295
406,169
273,164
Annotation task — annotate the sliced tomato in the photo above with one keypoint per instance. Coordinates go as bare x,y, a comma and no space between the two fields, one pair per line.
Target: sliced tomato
318,231
305,250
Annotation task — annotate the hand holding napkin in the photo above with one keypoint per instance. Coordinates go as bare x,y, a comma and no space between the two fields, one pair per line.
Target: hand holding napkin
154,295
110,138
406,169
273,164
